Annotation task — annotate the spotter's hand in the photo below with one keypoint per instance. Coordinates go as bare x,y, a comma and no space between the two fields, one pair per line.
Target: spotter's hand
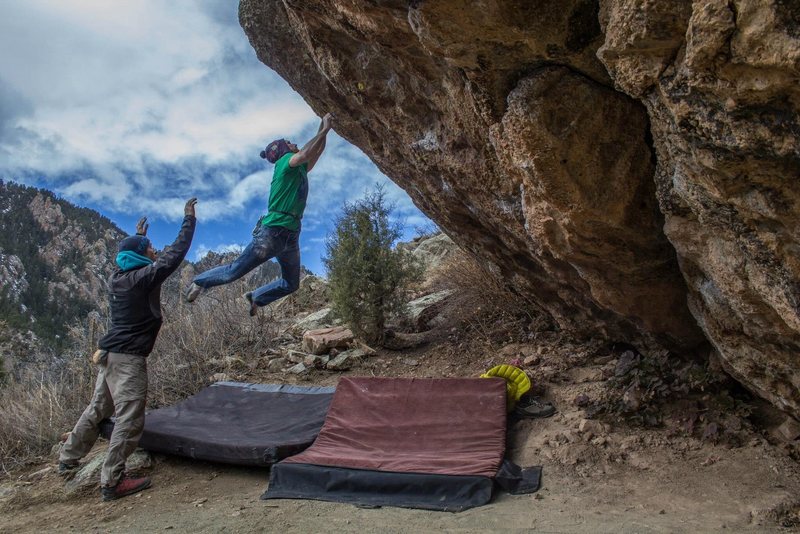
189,208
142,226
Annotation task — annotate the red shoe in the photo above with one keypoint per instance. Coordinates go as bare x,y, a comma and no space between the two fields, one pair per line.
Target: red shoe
126,486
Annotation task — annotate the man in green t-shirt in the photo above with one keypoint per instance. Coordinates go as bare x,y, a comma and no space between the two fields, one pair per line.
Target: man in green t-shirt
277,233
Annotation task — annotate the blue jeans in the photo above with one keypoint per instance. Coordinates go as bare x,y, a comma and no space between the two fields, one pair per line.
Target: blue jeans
268,242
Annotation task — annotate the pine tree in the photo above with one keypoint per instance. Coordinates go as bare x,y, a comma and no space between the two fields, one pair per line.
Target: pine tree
366,276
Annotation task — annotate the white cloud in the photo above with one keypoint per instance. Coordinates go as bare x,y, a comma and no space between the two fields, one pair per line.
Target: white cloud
146,103
128,87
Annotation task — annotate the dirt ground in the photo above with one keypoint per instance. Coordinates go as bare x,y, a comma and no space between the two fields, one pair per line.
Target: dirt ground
598,477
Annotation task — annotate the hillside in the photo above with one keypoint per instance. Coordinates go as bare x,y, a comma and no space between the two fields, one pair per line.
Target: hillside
54,259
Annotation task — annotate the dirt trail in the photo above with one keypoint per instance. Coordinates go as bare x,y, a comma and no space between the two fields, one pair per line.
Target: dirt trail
676,493
619,479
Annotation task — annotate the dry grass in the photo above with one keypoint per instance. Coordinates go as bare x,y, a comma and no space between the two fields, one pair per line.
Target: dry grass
38,407
215,334
483,305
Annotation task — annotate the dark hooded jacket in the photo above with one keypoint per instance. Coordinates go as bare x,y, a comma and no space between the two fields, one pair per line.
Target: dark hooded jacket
135,298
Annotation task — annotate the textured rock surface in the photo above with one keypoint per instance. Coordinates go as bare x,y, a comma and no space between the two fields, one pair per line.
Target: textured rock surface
68,237
323,340
720,82
431,251
612,159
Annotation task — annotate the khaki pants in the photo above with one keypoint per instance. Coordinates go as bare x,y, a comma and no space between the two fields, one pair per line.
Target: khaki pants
122,389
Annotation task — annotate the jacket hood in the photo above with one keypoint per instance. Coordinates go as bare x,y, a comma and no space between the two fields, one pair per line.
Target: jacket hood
128,260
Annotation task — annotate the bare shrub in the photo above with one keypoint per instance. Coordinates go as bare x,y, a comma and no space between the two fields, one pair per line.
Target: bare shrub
39,404
214,334
46,397
484,304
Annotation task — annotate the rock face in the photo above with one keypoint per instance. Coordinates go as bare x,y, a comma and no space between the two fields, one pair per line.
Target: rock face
720,84
630,164
431,251
55,259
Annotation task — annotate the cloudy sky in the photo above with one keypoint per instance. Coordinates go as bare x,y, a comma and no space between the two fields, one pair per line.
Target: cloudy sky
132,106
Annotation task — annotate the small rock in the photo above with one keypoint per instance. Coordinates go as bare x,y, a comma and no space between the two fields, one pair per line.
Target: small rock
733,423
323,340
319,319
632,399
531,360
595,427
410,361
276,365
295,356
581,400
789,430
368,351
637,461
199,502
625,363
340,363
219,377
312,360
298,369
39,473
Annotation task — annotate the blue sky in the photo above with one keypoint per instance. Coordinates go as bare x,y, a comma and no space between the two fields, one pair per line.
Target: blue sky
132,106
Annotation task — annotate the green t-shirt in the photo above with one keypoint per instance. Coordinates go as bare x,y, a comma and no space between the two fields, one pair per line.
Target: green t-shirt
287,194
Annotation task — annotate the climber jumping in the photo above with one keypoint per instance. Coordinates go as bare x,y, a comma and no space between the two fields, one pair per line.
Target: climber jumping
134,291
277,233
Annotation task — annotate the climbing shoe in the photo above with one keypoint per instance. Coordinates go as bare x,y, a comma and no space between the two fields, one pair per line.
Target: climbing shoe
192,292
531,407
253,306
126,486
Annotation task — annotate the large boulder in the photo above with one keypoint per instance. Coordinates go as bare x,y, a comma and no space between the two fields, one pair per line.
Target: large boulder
630,165
419,312
719,81
431,251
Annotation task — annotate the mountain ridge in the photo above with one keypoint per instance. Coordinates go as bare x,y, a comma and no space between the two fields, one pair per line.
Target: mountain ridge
55,259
